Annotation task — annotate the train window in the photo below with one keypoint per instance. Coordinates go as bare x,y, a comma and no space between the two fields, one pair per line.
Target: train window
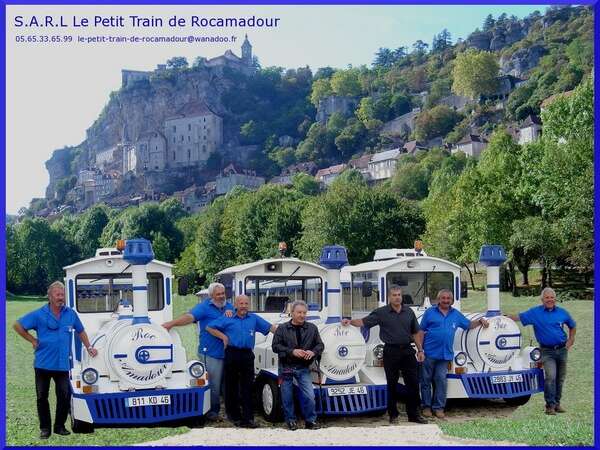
273,294
100,293
418,285
363,300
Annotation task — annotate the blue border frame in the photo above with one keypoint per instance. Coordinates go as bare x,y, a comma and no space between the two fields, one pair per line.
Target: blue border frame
307,2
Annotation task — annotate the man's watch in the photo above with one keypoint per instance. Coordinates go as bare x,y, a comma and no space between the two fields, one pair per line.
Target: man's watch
89,348
420,351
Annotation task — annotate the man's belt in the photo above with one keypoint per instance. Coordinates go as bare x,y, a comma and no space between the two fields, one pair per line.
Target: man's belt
553,347
398,346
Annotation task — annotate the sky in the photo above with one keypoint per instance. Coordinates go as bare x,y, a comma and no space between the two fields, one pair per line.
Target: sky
55,91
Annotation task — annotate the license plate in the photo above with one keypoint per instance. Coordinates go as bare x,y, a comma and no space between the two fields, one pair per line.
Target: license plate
149,400
346,390
514,378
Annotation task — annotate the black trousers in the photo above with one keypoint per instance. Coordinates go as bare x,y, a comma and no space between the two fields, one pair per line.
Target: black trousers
396,360
63,397
239,380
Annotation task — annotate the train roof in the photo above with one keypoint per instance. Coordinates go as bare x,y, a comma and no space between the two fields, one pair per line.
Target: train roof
102,258
373,266
250,265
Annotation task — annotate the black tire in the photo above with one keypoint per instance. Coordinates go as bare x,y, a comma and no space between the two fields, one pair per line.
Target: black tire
517,401
269,399
81,427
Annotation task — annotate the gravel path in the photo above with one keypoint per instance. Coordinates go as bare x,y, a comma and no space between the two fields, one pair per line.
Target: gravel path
395,435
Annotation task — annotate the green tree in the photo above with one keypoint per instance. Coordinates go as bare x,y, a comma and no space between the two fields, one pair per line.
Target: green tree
346,82
437,121
321,88
177,62
305,184
475,73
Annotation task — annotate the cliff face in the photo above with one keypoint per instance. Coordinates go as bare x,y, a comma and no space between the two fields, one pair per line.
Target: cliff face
139,108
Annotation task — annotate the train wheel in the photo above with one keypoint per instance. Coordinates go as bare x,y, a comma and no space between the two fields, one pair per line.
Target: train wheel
269,396
79,426
196,422
517,401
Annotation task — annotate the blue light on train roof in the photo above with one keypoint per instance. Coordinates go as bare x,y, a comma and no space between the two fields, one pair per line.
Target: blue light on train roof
333,257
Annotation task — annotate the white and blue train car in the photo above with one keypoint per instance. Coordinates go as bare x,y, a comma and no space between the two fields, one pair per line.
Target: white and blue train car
488,362
141,374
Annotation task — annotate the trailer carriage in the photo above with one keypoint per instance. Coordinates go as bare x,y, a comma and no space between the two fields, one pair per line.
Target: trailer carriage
349,379
141,374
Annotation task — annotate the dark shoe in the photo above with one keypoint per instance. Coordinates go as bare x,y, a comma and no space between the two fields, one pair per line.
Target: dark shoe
439,413
559,409
418,419
312,426
237,423
249,425
393,419
292,425
550,410
426,412
44,434
62,431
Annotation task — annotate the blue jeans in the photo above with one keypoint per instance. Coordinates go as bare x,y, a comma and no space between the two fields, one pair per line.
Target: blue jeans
555,371
434,370
214,368
307,393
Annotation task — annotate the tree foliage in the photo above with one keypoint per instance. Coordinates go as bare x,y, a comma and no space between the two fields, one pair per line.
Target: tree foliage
475,73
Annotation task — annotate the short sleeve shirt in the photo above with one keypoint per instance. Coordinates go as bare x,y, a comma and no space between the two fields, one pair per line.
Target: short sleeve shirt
439,331
241,330
53,335
548,324
394,328
203,313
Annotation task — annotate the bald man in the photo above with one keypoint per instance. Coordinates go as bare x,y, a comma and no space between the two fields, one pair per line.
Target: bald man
237,333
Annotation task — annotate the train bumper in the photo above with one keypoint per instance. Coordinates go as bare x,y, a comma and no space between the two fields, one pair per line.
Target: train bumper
480,385
112,408
374,400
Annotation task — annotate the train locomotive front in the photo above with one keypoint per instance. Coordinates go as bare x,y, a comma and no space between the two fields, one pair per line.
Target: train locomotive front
141,374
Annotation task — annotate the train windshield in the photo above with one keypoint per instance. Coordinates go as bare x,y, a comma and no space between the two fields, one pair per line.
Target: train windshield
274,294
101,292
362,295
418,285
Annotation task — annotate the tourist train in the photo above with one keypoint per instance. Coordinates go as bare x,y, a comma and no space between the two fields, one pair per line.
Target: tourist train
141,374
349,379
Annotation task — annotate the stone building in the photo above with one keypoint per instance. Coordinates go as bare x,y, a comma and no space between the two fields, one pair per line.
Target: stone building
327,175
192,135
383,164
335,104
471,145
530,130
231,177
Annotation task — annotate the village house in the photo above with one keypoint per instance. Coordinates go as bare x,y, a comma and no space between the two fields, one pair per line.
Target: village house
383,164
327,175
230,178
471,145
530,130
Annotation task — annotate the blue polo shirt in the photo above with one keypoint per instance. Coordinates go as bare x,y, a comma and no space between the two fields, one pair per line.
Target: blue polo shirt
203,313
548,324
53,335
439,332
240,331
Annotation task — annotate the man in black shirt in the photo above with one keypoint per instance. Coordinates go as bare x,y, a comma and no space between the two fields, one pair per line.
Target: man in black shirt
398,328
297,343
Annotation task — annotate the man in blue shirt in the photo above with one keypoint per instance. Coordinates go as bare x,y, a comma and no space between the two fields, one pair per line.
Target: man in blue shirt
439,324
209,348
548,321
237,334
53,324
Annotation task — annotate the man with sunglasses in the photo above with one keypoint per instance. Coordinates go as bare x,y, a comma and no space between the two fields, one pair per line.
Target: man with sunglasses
53,324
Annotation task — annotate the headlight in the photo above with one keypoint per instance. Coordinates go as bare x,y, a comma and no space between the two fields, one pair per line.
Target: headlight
89,376
378,351
535,354
460,359
197,369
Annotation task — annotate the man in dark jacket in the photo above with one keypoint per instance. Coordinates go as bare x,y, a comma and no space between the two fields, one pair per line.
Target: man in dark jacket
298,344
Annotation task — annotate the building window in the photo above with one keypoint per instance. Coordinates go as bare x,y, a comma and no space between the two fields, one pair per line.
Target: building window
204,137
182,138
189,154
189,127
204,148
174,139
174,128
204,119
173,156
189,138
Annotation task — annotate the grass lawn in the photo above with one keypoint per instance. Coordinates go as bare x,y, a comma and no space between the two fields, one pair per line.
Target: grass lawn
528,424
